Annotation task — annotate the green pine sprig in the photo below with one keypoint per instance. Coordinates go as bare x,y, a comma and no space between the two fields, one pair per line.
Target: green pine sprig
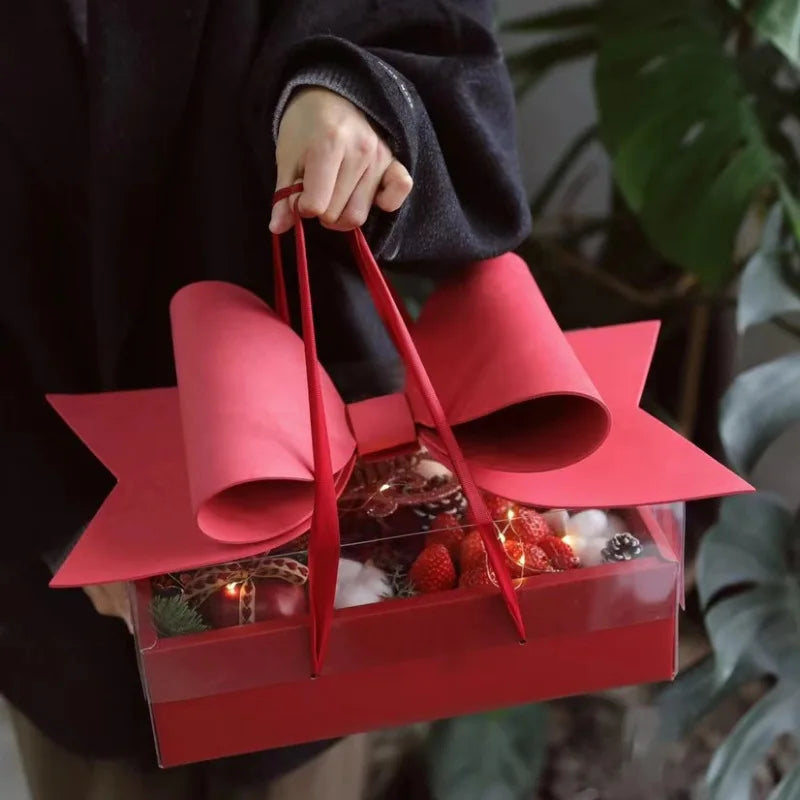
173,616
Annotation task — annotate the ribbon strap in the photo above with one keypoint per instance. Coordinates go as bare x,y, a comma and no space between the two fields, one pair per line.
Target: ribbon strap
323,550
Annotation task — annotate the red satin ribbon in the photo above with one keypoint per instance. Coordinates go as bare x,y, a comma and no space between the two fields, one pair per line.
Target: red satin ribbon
324,546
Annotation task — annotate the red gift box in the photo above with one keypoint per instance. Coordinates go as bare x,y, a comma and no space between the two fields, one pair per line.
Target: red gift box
254,445
247,688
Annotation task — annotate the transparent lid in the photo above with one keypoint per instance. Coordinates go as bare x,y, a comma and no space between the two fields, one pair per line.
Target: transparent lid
405,531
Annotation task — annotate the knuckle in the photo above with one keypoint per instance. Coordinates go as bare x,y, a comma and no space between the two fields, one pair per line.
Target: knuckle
330,133
366,145
354,218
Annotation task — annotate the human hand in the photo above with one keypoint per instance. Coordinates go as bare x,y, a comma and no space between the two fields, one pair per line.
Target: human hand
111,600
345,166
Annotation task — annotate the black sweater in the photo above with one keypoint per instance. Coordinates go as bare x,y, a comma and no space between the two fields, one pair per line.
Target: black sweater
146,162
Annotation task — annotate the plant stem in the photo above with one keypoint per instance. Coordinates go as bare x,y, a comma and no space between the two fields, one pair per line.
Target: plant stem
693,369
648,299
562,166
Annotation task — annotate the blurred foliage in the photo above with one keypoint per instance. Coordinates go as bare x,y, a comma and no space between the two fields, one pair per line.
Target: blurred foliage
699,112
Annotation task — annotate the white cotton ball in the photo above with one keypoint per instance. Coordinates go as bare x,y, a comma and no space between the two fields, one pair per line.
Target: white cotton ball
557,519
430,469
348,570
588,550
588,524
360,584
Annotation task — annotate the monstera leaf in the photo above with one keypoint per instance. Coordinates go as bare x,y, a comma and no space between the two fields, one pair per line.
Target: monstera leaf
765,293
752,600
688,150
778,21
761,404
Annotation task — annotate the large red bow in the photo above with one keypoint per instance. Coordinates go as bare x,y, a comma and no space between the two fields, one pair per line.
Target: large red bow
222,466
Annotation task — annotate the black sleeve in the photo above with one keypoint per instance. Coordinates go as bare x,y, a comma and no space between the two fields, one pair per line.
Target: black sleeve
51,483
431,77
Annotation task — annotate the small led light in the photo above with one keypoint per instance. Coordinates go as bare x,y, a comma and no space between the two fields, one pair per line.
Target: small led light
502,537
510,514
231,589
385,487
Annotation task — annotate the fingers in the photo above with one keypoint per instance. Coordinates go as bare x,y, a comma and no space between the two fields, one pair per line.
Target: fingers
345,166
282,219
395,188
353,212
321,171
361,157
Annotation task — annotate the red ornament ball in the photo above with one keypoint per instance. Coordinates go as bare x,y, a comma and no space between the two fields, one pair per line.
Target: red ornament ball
272,598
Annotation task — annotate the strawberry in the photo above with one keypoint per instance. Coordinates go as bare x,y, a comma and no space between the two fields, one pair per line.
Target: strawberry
526,559
442,521
499,507
446,529
480,576
559,552
472,553
448,537
530,526
433,570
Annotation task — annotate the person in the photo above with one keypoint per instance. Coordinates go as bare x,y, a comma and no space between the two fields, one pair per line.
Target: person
140,145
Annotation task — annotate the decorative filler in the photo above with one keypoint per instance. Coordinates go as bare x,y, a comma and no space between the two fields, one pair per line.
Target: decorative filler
622,547
173,616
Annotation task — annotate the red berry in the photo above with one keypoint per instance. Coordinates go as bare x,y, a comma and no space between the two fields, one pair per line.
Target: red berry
499,507
472,554
450,538
433,570
561,555
447,530
526,559
530,527
441,521
480,576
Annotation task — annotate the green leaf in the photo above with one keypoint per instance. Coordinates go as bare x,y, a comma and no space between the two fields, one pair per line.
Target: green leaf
789,787
761,404
731,770
764,294
792,207
736,624
778,21
748,544
751,594
687,148
583,15
496,756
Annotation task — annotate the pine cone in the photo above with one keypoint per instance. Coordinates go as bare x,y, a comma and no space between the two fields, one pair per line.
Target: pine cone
621,547
456,504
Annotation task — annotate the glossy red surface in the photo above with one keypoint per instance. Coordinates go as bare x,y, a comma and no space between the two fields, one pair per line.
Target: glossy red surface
398,662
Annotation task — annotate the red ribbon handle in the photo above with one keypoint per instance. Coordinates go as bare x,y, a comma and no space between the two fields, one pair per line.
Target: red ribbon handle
324,546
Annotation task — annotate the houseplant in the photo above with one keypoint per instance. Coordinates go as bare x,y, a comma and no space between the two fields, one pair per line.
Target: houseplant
697,101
